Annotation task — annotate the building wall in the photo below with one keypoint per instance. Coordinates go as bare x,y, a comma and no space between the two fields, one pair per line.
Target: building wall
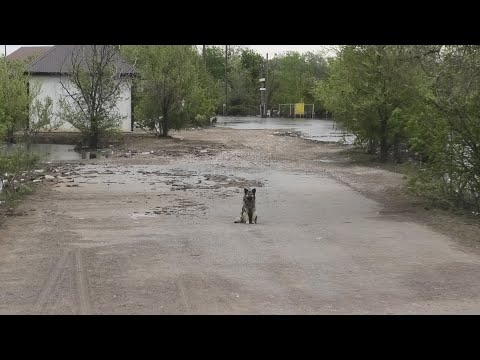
50,86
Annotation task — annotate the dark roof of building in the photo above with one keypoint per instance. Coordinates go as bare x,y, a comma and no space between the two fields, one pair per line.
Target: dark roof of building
26,52
58,60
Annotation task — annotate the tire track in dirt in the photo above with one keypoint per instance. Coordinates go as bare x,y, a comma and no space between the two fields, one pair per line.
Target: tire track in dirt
184,296
82,283
52,281
59,301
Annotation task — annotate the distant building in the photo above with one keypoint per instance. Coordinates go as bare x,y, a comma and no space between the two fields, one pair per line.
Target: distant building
28,52
49,66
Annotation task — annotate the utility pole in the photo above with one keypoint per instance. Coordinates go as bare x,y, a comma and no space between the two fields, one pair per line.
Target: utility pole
5,51
204,54
262,94
262,97
266,86
263,90
225,104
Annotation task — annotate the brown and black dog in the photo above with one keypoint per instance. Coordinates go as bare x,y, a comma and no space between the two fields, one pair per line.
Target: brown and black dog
249,211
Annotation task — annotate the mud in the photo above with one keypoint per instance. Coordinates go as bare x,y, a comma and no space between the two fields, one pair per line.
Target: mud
152,233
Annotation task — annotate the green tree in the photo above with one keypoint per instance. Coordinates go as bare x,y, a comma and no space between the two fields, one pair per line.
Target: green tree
42,119
15,97
96,77
253,63
292,76
367,89
175,86
444,129
215,62
12,165
244,96
205,97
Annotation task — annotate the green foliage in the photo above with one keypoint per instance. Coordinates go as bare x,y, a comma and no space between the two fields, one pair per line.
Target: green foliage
424,99
295,77
175,87
253,63
368,88
200,120
41,119
12,164
215,62
445,129
15,98
94,89
289,78
243,97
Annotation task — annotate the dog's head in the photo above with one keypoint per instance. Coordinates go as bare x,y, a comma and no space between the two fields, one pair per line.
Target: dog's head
250,194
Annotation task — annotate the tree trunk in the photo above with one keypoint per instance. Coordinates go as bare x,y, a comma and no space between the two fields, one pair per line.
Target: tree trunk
165,125
204,55
383,140
93,138
9,139
93,141
396,148
372,147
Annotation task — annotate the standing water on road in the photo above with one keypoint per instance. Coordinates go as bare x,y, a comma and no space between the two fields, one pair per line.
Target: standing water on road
312,129
50,152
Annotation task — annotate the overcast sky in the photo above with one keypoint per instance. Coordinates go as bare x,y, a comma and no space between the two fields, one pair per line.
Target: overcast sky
262,49
278,49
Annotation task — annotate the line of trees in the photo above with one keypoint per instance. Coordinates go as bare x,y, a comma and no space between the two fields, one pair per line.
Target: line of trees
290,78
179,85
421,101
175,85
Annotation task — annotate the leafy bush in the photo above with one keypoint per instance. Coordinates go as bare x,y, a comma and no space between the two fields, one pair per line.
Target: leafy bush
13,164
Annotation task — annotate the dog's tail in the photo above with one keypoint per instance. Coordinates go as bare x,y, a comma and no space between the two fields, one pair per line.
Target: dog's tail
238,221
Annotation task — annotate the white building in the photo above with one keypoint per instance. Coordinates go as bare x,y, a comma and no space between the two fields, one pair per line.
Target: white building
50,71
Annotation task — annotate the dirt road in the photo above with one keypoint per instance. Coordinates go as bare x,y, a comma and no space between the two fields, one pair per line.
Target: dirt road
152,232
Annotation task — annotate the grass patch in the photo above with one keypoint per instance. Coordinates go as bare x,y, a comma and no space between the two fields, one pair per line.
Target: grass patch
14,165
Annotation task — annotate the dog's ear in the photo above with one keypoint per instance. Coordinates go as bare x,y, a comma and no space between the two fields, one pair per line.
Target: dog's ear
254,191
246,190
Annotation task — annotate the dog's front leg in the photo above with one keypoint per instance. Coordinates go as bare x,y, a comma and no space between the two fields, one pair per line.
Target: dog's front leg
244,217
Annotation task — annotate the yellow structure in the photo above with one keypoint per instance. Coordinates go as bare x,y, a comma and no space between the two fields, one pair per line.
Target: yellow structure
300,109
296,110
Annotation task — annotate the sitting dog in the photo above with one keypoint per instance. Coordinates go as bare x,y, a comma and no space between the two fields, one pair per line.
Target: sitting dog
249,212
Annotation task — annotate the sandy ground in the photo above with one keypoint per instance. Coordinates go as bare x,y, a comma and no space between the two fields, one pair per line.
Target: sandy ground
150,230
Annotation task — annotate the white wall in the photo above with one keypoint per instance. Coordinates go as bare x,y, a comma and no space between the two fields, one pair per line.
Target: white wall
50,86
